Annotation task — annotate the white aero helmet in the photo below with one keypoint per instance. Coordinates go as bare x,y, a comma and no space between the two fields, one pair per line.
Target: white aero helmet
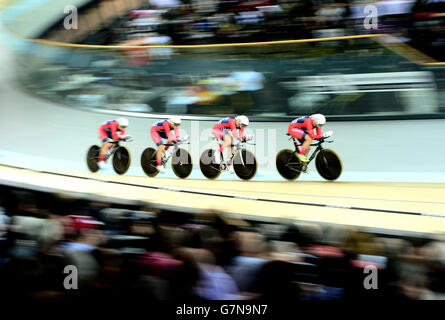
319,118
174,120
243,120
123,122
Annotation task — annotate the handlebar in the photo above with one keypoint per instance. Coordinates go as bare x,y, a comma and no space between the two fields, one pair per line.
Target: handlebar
242,142
186,141
120,140
251,143
319,141
212,137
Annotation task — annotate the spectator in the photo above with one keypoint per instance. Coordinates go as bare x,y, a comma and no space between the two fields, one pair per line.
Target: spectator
246,266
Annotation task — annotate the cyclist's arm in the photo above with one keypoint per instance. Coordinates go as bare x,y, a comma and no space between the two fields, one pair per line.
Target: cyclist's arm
310,129
177,133
113,128
319,133
241,133
168,132
235,134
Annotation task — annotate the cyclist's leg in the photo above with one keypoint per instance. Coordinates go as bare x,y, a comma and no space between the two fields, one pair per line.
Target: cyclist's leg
228,140
307,144
158,141
103,150
228,143
159,153
300,135
219,134
104,136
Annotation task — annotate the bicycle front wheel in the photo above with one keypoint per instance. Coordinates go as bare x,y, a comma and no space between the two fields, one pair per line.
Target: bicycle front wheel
182,163
328,164
245,164
121,160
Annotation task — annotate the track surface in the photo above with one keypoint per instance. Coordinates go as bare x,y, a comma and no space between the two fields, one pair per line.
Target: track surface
390,207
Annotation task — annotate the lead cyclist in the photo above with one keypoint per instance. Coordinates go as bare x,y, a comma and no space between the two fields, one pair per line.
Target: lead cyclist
303,129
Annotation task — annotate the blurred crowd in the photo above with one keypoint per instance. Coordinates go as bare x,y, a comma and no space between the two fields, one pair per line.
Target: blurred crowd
417,22
136,254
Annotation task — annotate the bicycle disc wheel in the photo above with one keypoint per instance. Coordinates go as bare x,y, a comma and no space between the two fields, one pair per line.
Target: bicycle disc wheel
328,164
182,163
121,160
286,163
92,157
148,162
245,164
209,169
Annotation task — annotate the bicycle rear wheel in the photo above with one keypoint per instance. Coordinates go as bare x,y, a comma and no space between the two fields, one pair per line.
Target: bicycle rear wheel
328,164
244,164
208,167
148,162
182,163
92,158
121,160
286,163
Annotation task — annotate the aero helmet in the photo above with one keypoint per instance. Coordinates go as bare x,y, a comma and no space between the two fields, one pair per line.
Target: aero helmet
243,120
319,118
174,120
123,122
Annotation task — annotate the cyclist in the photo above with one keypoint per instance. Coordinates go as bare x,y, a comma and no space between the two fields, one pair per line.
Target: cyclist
222,129
108,132
163,129
303,130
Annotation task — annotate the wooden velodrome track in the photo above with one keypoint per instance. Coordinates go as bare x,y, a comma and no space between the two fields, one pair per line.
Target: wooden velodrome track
388,207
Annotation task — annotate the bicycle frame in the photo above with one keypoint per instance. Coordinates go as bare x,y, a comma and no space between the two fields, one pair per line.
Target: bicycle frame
112,150
314,153
236,148
169,153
